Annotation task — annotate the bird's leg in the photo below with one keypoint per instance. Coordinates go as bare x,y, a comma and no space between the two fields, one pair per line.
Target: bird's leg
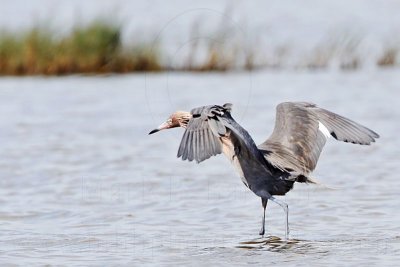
286,209
264,202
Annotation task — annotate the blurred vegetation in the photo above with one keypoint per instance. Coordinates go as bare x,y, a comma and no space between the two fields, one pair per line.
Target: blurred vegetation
340,49
97,48
389,57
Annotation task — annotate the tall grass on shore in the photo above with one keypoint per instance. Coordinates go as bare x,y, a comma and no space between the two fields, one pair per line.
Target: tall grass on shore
389,57
342,49
95,48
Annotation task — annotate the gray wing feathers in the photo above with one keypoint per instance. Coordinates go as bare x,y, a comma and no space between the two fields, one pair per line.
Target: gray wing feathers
201,138
344,129
282,158
198,143
292,144
217,127
297,141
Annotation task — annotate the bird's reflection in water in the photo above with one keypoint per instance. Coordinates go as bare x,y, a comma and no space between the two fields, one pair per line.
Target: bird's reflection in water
276,244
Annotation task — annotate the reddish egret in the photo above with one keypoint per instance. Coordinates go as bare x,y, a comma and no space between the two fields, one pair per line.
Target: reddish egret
289,155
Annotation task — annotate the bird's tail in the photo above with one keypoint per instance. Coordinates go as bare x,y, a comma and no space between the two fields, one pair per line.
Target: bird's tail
310,180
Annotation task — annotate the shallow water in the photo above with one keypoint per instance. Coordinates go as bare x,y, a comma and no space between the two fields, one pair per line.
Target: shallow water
83,183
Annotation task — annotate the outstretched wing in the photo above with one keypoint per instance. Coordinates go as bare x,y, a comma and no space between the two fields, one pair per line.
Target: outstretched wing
201,138
300,133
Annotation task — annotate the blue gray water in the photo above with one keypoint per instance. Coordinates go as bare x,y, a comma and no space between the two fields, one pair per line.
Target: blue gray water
81,182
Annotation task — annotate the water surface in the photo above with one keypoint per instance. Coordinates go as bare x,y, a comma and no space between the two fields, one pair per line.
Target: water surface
83,183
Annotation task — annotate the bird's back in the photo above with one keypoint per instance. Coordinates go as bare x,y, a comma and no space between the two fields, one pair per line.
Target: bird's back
256,172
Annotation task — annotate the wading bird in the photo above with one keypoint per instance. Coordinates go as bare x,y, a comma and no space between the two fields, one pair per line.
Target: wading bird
289,155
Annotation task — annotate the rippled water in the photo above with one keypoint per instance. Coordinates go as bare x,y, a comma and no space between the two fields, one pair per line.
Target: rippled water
83,183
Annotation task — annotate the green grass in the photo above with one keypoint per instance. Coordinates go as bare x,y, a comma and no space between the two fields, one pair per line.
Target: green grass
95,48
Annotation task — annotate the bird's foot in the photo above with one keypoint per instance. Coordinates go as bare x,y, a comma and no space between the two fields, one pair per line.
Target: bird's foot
262,232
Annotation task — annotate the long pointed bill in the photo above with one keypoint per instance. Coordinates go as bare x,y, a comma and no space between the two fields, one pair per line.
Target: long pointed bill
163,126
153,131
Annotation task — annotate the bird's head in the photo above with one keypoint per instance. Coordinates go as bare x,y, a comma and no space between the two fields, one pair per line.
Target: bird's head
177,119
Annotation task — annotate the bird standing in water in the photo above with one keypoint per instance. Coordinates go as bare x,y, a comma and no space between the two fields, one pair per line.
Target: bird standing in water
289,155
